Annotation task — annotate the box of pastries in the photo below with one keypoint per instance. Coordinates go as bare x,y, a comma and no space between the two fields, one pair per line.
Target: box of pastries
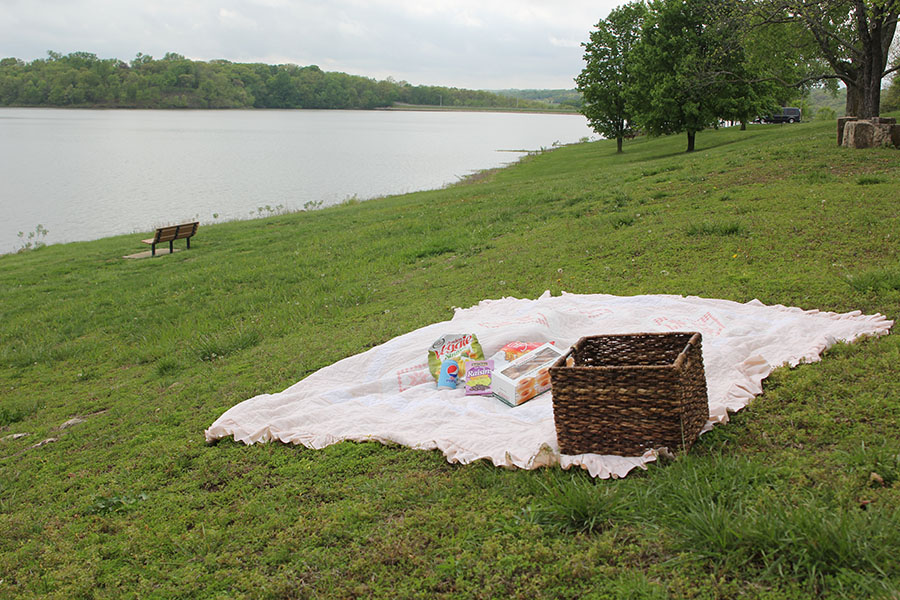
527,376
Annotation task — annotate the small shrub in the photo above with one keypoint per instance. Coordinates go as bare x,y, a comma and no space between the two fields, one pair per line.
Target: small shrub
34,239
826,113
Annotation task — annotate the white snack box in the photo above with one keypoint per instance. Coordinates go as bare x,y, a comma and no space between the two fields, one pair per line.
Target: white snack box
527,376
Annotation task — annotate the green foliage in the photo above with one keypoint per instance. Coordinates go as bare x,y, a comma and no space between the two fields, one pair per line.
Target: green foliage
607,74
690,69
890,100
849,41
571,98
83,79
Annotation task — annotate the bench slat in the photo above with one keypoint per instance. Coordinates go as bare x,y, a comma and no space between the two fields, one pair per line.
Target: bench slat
164,234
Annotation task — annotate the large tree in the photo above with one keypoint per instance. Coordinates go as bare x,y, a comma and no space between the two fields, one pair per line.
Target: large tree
853,37
690,69
606,75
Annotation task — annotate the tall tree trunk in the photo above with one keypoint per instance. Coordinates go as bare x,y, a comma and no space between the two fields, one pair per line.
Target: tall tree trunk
691,135
619,144
854,99
743,125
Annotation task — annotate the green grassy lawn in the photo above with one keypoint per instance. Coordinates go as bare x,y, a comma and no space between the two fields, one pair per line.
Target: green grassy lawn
797,497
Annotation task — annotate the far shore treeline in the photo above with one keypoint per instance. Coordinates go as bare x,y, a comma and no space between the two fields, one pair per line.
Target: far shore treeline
81,79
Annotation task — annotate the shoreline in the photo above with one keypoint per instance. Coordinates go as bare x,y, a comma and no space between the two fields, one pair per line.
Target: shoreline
398,108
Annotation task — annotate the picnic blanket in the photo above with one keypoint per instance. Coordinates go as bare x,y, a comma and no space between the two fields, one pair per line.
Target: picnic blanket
386,394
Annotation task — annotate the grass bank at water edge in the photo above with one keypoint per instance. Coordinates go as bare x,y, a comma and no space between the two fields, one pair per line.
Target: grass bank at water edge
110,370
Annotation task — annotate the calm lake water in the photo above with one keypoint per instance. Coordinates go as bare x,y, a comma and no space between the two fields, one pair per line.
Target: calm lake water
86,174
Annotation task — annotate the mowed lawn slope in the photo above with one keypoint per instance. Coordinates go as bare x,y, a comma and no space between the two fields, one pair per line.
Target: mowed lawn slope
797,497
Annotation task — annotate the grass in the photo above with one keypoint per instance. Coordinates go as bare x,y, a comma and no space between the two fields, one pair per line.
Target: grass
796,497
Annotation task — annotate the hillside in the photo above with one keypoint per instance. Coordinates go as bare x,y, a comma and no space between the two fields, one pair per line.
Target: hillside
797,497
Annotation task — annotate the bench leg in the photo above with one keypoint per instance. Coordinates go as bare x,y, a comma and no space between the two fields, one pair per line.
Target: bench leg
188,240
152,249
171,249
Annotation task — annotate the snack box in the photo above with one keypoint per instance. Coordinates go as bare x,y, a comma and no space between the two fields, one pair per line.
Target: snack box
527,376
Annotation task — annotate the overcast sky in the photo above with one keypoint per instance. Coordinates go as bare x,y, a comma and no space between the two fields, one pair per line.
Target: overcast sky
479,44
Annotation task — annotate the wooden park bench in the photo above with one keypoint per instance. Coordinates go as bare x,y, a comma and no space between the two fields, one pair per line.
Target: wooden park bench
171,233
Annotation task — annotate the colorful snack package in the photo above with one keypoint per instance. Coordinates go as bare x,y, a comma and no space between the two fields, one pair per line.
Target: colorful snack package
479,377
514,350
458,346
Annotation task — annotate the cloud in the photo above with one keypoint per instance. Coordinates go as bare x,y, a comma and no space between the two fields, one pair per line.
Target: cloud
484,44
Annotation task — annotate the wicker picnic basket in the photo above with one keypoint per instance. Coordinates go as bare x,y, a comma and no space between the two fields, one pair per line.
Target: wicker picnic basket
625,394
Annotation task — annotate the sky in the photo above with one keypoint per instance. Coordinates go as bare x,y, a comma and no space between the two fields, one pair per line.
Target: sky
475,44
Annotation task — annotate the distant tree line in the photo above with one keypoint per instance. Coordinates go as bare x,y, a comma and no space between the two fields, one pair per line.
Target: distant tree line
562,97
81,79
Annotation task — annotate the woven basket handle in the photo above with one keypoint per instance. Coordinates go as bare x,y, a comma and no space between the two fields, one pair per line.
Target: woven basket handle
695,340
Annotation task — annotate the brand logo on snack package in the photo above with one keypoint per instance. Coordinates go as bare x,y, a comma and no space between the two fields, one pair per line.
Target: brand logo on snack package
455,345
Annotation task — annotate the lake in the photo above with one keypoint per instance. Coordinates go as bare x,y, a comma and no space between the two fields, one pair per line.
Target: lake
86,174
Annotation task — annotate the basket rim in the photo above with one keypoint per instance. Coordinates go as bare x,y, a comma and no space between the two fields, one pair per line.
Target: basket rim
696,336
558,367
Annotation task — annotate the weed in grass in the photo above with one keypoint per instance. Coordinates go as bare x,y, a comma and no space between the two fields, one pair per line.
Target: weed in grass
13,413
876,280
33,239
716,228
619,200
575,503
877,464
432,248
818,177
114,504
661,169
168,365
633,585
212,347
619,221
87,374
870,180
269,211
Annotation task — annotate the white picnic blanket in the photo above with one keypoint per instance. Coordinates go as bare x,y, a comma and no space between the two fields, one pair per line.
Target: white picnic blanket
386,394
